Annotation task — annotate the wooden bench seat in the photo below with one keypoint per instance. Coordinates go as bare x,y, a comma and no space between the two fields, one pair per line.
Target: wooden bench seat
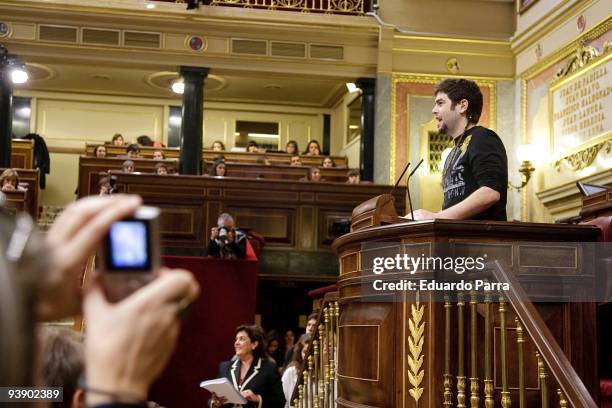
29,177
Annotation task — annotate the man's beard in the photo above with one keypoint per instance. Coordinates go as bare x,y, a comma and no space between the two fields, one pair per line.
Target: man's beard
443,129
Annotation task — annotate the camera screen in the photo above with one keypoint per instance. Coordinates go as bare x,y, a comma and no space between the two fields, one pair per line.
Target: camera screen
128,246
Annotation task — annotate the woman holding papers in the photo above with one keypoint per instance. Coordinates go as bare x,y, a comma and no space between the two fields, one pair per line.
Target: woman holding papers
252,373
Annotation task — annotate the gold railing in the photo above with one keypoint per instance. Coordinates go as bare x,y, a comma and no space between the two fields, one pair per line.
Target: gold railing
349,7
317,386
554,371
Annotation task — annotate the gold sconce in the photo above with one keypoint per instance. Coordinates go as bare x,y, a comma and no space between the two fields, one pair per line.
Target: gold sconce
524,154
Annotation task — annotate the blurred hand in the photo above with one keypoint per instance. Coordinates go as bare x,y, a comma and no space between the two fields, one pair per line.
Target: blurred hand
129,343
214,233
250,396
74,236
217,401
8,187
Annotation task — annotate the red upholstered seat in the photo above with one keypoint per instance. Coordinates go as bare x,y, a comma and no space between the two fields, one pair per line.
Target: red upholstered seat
605,390
605,224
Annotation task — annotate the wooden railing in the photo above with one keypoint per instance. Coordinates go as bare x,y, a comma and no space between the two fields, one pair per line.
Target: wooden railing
317,385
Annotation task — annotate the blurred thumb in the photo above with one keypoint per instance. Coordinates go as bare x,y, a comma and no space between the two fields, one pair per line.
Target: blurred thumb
94,298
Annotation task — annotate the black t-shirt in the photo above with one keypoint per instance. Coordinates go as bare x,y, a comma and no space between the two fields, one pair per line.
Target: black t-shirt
477,160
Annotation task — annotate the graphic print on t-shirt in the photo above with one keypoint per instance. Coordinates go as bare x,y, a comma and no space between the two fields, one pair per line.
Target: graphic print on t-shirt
454,181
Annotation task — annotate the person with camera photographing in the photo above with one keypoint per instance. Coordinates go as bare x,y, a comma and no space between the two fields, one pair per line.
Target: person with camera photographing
227,242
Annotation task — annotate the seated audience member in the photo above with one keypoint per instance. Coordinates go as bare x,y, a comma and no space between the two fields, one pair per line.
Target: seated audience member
117,140
9,181
63,363
264,160
127,166
328,162
313,148
161,169
264,387
133,151
227,242
159,155
105,187
119,369
99,151
252,147
218,168
352,177
144,140
310,326
289,343
314,174
296,160
273,348
294,369
218,146
292,148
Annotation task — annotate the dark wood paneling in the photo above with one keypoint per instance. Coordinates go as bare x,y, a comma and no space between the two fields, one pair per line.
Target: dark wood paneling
288,214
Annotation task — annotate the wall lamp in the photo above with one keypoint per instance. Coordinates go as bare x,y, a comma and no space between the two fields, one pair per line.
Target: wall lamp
525,154
11,64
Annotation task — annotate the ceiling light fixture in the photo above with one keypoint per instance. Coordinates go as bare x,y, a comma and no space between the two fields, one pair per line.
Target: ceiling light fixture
13,66
178,87
351,87
150,6
19,75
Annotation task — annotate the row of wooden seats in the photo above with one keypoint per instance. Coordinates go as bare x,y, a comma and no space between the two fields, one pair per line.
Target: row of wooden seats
91,167
209,155
25,200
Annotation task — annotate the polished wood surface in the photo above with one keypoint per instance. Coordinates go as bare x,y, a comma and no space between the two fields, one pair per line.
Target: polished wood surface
374,333
29,177
210,155
15,201
145,151
22,154
292,216
597,205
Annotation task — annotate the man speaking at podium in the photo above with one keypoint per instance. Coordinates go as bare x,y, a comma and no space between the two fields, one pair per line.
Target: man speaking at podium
475,175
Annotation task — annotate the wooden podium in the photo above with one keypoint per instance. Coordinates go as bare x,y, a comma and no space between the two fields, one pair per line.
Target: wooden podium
392,347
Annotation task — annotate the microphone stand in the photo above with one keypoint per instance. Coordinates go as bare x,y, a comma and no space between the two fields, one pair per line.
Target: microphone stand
408,187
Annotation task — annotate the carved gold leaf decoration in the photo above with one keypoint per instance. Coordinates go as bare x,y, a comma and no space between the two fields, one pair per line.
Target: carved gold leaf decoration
583,56
416,340
584,158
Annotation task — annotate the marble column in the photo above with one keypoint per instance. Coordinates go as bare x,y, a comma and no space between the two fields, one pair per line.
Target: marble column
192,119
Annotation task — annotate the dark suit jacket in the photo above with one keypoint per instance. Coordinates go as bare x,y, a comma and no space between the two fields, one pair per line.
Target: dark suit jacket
262,378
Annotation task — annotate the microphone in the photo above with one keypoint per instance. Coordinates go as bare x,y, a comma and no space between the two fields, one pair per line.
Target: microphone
400,177
408,187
